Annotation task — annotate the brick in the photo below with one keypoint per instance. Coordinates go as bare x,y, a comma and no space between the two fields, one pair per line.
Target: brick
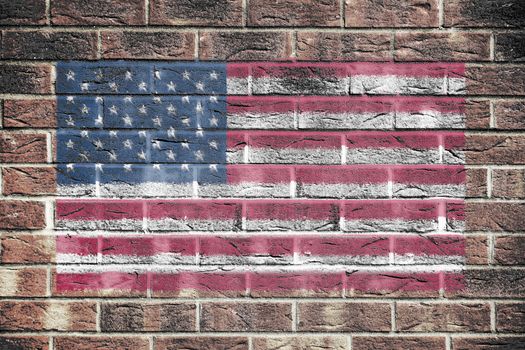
509,47
201,342
300,342
16,342
102,343
29,181
476,183
98,12
22,148
442,47
148,45
510,317
509,250
294,13
476,250
246,317
222,13
508,183
492,283
20,79
46,45
21,215
23,282
316,46
398,343
495,216
49,316
343,317
488,343
391,13
27,249
433,317
495,80
22,12
29,113
477,114
484,13
495,149
135,317
510,114
245,46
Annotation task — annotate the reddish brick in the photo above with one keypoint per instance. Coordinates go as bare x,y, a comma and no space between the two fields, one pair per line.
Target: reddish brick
29,113
441,317
510,317
477,114
509,47
316,46
509,250
201,342
398,343
38,45
102,343
343,317
29,181
23,282
246,317
301,342
495,216
442,47
22,12
391,13
148,45
245,46
510,114
491,283
488,343
27,249
493,79
40,315
477,183
135,317
196,12
484,13
98,12
508,183
294,13
495,149
16,342
476,250
21,215
20,79
22,148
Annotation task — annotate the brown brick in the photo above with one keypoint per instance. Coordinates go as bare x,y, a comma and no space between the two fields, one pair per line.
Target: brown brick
21,215
22,12
20,79
510,114
135,317
246,317
29,113
148,45
316,46
23,282
101,343
495,216
484,13
442,47
492,283
201,342
495,149
509,47
16,342
196,12
510,317
245,46
509,250
495,80
391,13
476,250
477,114
477,183
29,181
25,248
37,45
508,183
398,343
294,13
441,317
55,315
300,343
488,343
98,12
343,317
22,148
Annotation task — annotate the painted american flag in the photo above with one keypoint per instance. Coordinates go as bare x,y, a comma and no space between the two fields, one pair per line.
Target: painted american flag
259,178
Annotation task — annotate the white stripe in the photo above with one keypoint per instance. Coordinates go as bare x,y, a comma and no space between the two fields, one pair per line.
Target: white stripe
394,84
392,156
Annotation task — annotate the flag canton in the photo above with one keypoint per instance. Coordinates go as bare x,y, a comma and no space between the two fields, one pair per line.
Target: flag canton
140,121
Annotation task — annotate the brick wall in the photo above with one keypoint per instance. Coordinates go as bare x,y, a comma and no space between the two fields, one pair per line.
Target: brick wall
488,35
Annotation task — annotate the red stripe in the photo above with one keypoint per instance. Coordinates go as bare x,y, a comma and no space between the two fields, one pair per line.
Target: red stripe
299,70
437,174
341,246
387,139
406,69
198,281
77,245
72,209
454,140
148,246
237,70
296,210
310,281
341,174
390,209
70,282
275,246
456,211
284,139
193,209
430,245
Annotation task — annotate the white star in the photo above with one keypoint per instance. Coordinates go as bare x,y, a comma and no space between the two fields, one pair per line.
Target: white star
213,98
98,144
141,155
186,75
185,144
70,121
112,155
85,109
171,132
128,99
84,133
198,107
157,99
129,76
185,167
99,120
99,99
128,144
127,120
156,144
170,155
186,99
70,75
70,144
213,144
171,86
213,167
214,75
157,121
143,110
70,167
142,133
157,74
143,86
84,86
200,86
113,133
156,166
98,74
127,168
186,120
199,132
199,155
171,109
84,155
113,86
214,121
113,109
98,166
70,99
